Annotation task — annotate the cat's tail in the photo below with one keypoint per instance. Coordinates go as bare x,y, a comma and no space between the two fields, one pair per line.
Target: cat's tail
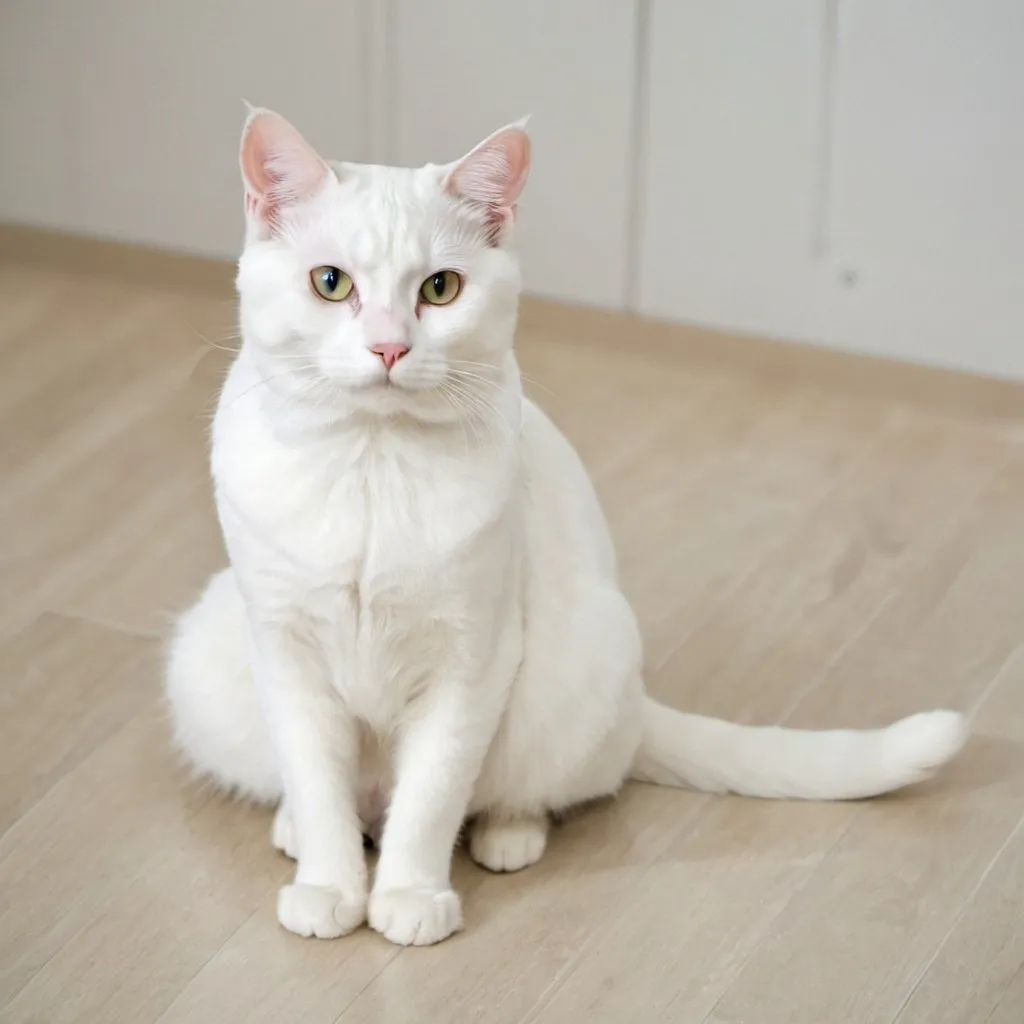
767,761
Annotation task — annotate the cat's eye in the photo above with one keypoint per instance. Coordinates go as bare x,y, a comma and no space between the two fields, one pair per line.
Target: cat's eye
330,283
441,288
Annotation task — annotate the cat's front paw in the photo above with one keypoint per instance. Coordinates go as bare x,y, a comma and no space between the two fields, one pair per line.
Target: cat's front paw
415,917
319,911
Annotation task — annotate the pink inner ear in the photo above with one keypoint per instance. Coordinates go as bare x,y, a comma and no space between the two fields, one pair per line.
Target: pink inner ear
278,165
495,172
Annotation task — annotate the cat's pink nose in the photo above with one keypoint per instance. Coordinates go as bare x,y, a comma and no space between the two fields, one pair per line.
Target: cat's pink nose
390,352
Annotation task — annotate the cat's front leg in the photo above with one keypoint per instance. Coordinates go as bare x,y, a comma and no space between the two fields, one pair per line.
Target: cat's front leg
438,757
318,749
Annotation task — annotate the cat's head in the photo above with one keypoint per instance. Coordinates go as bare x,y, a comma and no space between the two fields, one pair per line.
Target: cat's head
381,289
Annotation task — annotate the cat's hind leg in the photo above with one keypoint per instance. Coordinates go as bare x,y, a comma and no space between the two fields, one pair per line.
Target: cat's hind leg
570,731
282,832
508,844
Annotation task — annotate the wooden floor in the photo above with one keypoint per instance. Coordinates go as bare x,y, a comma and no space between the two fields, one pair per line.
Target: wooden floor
802,545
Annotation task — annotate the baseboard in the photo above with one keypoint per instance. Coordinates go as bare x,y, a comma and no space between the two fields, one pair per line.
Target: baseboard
943,391
948,392
157,267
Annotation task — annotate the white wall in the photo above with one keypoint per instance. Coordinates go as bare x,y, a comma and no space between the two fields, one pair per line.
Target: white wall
848,174
730,174
927,198
845,172
569,63
122,117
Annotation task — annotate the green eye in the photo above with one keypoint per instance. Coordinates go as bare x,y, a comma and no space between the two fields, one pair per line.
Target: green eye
441,288
330,283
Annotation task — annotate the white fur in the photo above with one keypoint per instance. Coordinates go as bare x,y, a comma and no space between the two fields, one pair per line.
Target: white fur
422,615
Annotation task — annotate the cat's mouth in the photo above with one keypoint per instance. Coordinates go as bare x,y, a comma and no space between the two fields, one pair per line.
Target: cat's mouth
363,382
431,395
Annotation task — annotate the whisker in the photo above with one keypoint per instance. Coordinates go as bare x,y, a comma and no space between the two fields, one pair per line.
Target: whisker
212,344
537,384
526,378
482,408
465,424
265,381
468,415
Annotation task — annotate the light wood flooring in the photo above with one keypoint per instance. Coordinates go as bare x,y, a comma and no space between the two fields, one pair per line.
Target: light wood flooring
808,539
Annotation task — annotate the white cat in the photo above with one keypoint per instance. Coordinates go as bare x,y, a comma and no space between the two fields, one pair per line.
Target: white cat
422,622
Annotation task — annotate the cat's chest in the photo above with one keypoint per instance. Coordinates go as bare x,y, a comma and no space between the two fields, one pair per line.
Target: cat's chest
377,557
378,518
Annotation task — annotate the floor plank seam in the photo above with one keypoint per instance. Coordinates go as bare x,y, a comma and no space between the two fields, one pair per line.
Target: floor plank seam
1002,995
187,984
899,585
544,999
715,606
956,920
393,958
65,780
102,622
12,998
854,817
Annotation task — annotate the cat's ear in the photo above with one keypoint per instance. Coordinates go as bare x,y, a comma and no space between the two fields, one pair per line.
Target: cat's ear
491,177
279,167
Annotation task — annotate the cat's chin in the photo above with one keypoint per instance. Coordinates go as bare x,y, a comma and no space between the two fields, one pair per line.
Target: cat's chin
377,384
335,398
391,400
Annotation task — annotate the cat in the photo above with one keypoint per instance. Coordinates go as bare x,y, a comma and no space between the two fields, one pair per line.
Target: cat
422,625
